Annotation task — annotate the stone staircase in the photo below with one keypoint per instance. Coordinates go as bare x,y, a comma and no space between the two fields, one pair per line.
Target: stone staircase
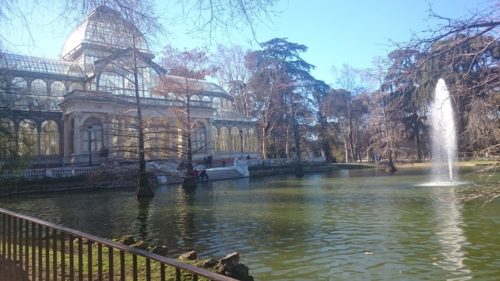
222,173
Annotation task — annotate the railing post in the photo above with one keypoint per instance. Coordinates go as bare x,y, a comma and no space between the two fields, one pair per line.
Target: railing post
110,261
63,256
47,260
54,254
80,259
26,245
40,260
122,266
9,242
99,261
47,253
162,272
148,270
89,255
177,274
21,244
134,267
2,231
72,258
14,242
33,252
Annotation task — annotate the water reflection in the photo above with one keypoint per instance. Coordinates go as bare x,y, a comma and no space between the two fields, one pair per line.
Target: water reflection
450,234
340,226
184,204
143,209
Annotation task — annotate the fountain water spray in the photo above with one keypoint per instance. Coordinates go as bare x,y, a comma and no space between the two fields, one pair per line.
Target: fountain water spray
444,142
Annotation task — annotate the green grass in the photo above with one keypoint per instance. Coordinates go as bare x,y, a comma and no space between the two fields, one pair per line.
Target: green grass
170,272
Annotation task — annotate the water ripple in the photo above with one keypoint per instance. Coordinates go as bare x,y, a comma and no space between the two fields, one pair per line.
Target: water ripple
345,226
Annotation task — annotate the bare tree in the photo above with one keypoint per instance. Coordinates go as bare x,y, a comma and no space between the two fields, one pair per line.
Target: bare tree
465,52
233,76
126,61
214,15
187,69
350,80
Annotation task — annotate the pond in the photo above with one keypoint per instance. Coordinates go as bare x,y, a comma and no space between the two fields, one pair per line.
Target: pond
349,224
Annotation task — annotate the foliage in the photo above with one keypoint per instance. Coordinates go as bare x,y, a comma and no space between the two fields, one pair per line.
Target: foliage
465,52
188,68
283,85
233,76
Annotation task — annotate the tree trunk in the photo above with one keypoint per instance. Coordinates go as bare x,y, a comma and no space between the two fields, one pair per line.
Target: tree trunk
346,151
325,143
143,189
264,152
287,137
189,179
299,171
419,149
390,165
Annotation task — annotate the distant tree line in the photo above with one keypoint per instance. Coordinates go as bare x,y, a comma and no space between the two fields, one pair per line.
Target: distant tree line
299,115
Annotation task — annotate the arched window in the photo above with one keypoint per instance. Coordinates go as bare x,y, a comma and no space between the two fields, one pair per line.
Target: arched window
117,137
57,88
224,139
165,146
75,86
235,139
215,139
152,136
244,139
130,145
38,87
111,82
54,104
179,137
92,131
148,138
156,137
199,138
217,103
7,138
252,140
19,85
195,97
49,138
28,135
23,102
171,96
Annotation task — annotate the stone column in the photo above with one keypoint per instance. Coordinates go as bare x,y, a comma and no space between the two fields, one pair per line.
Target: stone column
65,138
210,146
77,149
38,140
60,134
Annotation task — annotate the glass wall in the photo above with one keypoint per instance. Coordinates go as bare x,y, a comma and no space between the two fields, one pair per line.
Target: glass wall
7,138
49,138
28,136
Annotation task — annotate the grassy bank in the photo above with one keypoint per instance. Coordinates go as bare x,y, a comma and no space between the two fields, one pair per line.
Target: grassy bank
88,263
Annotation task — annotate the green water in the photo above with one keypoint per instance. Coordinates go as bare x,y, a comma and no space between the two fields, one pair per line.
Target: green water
346,225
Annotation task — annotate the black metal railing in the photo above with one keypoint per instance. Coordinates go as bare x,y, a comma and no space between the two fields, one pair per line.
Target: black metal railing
32,249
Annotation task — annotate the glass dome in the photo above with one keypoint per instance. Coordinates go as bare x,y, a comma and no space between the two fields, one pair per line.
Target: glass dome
104,27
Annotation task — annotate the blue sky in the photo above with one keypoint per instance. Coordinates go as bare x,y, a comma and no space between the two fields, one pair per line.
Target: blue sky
336,32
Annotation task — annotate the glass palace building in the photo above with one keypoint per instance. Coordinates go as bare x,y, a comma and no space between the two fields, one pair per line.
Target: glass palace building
63,112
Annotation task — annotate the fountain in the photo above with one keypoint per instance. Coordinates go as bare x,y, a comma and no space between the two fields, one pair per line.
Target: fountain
443,137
